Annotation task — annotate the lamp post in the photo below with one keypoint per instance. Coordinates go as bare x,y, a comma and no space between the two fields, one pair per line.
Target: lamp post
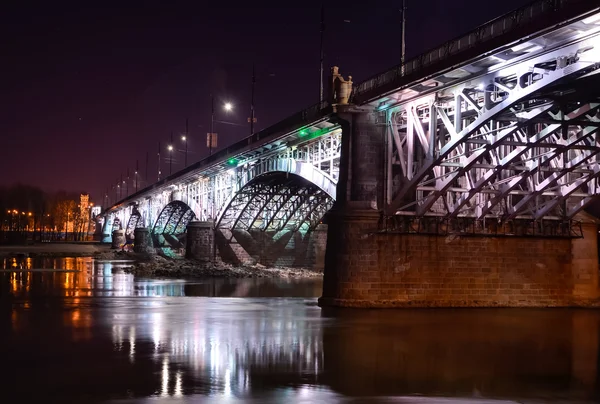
170,148
171,155
136,175
158,165
227,107
185,139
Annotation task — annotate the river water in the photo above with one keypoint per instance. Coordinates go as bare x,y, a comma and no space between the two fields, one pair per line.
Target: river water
86,332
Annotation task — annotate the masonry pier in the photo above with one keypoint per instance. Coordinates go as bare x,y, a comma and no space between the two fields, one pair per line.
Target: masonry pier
143,241
200,241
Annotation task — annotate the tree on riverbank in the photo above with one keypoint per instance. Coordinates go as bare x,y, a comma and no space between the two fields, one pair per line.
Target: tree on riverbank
27,210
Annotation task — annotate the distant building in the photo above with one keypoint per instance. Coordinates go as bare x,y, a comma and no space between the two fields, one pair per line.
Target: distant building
84,204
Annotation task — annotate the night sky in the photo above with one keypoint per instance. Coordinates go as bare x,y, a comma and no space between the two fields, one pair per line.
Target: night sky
86,90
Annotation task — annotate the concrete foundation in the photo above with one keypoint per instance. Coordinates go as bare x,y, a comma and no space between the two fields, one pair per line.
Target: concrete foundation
142,242
200,241
118,239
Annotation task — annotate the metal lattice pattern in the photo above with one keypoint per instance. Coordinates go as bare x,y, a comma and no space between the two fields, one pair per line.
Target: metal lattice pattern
135,221
172,221
277,201
517,143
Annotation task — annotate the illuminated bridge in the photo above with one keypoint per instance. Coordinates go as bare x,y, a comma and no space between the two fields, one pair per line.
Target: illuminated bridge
490,134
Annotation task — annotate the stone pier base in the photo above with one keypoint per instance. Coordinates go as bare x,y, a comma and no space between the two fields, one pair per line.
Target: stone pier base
200,241
364,268
143,241
118,239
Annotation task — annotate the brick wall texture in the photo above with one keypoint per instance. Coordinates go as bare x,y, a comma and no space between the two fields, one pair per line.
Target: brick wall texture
199,243
366,269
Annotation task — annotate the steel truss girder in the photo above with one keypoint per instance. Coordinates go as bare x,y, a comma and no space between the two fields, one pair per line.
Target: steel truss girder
275,202
508,139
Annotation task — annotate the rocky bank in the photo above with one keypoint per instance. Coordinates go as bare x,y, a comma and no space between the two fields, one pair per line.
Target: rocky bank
159,266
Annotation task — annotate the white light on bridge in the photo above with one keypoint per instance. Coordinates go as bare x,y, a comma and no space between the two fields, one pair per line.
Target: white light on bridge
228,106
591,19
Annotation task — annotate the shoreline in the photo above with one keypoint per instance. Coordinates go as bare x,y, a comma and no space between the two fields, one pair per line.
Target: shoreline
145,265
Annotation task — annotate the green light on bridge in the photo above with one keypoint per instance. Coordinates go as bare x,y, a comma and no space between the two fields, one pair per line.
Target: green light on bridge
303,133
232,162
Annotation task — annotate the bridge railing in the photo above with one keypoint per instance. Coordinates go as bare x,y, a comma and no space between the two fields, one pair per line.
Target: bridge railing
536,11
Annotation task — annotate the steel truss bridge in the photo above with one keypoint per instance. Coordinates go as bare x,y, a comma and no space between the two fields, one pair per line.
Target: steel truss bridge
495,132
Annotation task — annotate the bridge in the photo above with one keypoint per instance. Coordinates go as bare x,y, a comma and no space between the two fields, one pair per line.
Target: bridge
452,179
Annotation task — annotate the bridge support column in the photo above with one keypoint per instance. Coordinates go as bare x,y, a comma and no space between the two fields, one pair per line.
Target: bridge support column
118,239
351,255
200,241
143,241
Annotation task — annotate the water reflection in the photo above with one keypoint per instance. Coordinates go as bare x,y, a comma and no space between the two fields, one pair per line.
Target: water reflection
84,277
166,347
137,340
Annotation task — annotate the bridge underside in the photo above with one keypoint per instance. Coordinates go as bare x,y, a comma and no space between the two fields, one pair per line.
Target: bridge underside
271,219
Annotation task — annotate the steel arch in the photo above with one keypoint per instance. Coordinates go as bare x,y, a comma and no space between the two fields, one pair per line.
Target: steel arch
172,221
276,201
284,165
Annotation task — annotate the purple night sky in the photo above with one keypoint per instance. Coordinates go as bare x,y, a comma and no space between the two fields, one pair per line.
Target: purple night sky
88,90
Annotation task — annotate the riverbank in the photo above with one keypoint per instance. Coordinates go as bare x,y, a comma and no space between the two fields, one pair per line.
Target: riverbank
54,250
154,265
160,266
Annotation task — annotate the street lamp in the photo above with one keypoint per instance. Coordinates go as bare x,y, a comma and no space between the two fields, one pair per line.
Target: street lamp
212,135
170,148
184,139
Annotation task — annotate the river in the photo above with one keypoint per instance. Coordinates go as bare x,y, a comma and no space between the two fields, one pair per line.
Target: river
75,330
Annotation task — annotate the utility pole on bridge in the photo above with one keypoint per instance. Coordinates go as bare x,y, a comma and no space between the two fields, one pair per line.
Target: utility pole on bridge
321,52
403,48
137,167
159,161
252,119
212,124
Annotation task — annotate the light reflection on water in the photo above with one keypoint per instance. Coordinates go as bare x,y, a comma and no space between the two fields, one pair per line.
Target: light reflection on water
84,277
98,334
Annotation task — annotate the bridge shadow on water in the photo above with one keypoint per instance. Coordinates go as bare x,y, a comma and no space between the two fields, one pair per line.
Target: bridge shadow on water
99,334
